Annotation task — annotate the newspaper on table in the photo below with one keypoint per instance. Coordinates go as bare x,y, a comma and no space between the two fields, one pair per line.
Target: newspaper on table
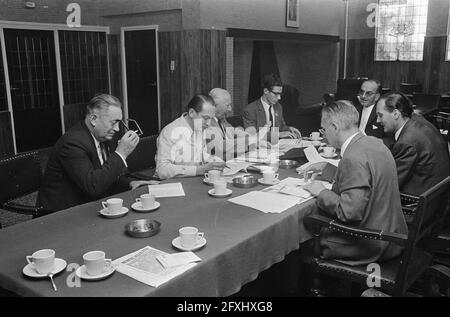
166,190
313,157
233,167
142,265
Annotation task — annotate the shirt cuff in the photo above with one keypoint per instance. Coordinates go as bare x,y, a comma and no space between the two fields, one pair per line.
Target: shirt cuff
123,159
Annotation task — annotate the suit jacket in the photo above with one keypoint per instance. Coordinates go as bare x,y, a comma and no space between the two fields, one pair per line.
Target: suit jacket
74,174
421,156
365,194
255,116
373,128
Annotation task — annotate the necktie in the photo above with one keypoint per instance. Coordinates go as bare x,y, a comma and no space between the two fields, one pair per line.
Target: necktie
103,152
223,129
271,117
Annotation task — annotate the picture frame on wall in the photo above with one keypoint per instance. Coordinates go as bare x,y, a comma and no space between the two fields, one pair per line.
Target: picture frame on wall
292,13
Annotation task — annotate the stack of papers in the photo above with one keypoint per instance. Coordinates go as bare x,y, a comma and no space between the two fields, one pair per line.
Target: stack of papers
266,202
166,190
142,265
313,157
234,167
177,259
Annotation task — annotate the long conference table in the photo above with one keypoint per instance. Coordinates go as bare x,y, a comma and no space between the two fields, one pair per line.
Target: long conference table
241,243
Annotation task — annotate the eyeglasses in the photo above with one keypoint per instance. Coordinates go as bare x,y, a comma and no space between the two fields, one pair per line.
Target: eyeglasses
362,93
278,94
132,125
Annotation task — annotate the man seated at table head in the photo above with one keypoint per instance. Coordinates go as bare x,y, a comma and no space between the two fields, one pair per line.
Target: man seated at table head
181,144
365,191
368,96
223,139
266,112
84,165
419,150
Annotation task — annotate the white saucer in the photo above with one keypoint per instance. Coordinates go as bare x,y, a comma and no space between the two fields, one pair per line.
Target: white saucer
176,243
207,182
228,193
137,206
81,273
261,181
326,156
105,212
60,265
309,139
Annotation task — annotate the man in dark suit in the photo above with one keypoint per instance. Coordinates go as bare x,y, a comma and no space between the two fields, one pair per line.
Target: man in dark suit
368,96
419,150
365,193
82,167
266,113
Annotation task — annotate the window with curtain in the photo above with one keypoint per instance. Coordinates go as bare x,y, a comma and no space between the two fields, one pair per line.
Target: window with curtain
3,100
84,65
401,30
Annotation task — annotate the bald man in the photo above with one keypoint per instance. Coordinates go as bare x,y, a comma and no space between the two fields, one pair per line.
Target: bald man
223,139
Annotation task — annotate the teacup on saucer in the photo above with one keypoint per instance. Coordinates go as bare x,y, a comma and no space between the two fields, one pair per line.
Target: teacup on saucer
200,244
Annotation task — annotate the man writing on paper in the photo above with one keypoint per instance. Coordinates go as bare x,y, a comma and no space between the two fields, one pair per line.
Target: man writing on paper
365,192
266,113
181,144
223,139
83,166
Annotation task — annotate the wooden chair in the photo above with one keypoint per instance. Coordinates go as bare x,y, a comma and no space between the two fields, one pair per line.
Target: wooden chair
21,175
398,274
426,104
141,162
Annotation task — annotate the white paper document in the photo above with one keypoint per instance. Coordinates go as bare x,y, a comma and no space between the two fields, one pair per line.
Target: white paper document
265,201
143,266
313,157
177,259
294,187
166,190
234,167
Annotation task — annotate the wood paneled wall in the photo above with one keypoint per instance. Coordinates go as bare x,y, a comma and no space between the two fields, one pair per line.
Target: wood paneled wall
433,72
6,138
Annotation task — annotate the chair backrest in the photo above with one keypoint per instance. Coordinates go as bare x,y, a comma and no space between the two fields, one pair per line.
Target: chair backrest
426,102
410,88
348,88
143,156
425,227
20,175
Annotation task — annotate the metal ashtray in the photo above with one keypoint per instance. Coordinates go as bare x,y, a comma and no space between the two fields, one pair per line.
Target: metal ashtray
244,181
142,228
289,164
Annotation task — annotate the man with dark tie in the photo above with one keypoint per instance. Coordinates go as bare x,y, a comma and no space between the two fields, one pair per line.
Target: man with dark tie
266,112
222,138
419,150
83,165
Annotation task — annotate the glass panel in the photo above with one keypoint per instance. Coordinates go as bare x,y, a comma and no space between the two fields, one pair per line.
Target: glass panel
401,30
83,71
3,99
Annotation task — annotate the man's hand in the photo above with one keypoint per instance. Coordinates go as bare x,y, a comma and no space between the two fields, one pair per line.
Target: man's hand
127,143
202,169
314,169
136,184
296,132
314,188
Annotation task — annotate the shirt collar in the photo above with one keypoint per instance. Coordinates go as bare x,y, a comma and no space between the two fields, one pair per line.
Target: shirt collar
265,104
346,143
397,134
96,142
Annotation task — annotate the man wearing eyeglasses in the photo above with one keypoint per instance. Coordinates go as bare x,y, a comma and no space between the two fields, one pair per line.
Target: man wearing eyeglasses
84,164
368,96
266,112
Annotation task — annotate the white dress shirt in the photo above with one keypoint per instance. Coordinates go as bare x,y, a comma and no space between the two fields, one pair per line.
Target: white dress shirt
397,134
180,150
365,114
266,107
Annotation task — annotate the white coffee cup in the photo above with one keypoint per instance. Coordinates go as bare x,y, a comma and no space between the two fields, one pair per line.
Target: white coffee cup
114,205
190,237
329,150
220,186
95,262
147,200
213,175
315,135
43,261
269,176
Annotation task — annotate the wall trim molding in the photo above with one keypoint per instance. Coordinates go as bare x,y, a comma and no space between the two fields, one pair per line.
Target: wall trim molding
280,36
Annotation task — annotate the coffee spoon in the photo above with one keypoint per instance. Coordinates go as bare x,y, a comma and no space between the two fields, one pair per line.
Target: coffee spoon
51,279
